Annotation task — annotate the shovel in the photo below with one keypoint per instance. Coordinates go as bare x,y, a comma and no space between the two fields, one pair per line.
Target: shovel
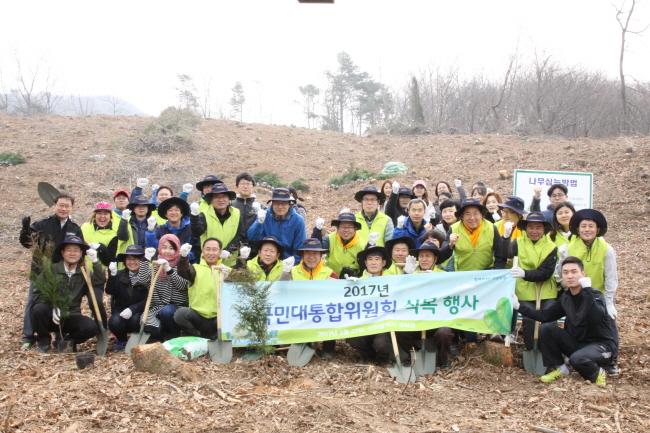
102,336
48,193
142,337
397,372
425,358
220,351
299,354
533,361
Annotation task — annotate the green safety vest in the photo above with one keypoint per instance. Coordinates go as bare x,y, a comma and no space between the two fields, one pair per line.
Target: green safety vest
203,293
531,256
101,236
378,225
593,259
560,240
224,232
394,270
339,257
435,269
255,267
298,275
468,257
159,220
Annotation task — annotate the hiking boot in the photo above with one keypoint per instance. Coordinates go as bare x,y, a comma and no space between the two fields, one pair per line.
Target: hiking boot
43,349
26,346
119,346
612,370
600,380
445,366
552,376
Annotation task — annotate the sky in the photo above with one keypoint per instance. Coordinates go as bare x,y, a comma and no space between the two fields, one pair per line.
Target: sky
134,50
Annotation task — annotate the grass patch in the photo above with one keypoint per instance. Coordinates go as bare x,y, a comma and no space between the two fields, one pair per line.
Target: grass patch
353,174
172,131
11,158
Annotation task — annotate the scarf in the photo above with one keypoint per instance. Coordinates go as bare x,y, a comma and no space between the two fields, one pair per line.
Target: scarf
173,260
516,233
350,244
311,274
473,234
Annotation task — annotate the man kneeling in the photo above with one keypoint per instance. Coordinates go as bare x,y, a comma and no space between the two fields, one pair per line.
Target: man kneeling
588,337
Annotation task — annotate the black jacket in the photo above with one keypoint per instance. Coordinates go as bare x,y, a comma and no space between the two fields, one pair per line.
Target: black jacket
586,317
48,230
245,206
199,226
393,210
124,294
542,273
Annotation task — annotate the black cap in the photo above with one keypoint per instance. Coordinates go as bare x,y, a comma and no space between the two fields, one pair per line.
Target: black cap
363,254
537,217
588,214
140,200
280,194
220,188
73,240
131,250
269,239
210,179
173,201
515,203
346,217
369,190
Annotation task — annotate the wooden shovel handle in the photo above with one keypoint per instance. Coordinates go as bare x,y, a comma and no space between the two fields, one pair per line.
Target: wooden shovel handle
515,261
150,295
218,281
393,340
91,289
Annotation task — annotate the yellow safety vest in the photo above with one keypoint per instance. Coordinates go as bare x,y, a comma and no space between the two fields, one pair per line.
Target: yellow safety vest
560,239
339,257
593,259
531,256
224,232
203,293
101,236
378,225
298,275
255,267
394,270
468,257
159,220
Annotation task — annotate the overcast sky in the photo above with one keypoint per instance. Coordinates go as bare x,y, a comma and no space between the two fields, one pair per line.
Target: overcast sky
134,49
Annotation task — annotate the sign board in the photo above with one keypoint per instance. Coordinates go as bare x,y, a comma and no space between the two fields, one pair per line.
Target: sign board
580,185
318,310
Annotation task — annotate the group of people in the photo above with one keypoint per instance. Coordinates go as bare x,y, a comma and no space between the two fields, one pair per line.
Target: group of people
398,230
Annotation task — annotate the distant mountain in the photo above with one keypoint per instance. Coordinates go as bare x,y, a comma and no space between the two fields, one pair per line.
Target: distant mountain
71,105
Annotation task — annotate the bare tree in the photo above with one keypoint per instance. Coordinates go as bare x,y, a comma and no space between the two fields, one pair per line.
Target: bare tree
28,99
82,105
115,104
4,96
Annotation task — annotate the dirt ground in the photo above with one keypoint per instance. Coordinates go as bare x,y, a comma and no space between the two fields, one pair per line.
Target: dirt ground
47,393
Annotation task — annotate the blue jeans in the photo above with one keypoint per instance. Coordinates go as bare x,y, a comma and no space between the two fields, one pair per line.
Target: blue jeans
167,323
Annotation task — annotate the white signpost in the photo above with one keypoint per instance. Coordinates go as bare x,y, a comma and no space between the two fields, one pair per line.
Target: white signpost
580,185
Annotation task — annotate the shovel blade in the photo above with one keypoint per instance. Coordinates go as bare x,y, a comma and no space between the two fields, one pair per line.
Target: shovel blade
136,340
533,362
397,372
220,351
425,362
102,341
300,354
48,193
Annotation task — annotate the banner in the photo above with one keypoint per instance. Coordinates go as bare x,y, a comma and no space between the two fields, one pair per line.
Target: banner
580,185
306,311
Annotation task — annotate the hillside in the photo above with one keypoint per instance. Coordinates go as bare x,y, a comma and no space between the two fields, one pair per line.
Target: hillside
51,395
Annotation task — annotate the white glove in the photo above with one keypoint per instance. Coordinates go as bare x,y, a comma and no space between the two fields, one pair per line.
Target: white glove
428,271
92,255
188,188
261,216
149,253
430,213
411,265
564,252
538,191
585,282
165,264
396,187
458,183
224,255
495,216
126,214
113,268
372,238
126,313
155,187
288,263
349,278
185,249
256,206
319,223
244,252
56,314
400,222
507,229
611,310
515,302
345,210
225,270
94,245
453,238
151,223
517,272
142,182
194,209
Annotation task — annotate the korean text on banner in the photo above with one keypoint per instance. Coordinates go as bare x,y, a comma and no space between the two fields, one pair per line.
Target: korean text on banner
580,186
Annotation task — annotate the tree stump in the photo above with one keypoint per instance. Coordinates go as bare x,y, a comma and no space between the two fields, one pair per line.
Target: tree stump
497,354
154,358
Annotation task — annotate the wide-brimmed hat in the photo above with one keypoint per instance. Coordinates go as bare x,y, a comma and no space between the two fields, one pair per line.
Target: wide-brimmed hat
346,217
280,194
369,190
140,200
405,190
537,217
131,250
471,201
363,254
173,201
410,243
220,188
311,244
269,239
515,203
121,191
209,179
428,246
103,206
73,240
588,214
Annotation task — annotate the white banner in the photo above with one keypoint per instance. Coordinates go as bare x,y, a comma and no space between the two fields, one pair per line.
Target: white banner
580,185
